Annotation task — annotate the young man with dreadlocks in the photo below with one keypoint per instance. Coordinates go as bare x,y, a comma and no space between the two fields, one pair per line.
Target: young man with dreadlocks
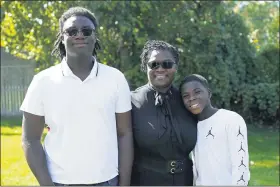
86,105
164,131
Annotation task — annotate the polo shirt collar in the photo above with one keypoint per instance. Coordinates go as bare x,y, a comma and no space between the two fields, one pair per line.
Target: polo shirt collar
66,71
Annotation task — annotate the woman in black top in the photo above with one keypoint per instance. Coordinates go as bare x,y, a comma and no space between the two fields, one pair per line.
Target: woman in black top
164,131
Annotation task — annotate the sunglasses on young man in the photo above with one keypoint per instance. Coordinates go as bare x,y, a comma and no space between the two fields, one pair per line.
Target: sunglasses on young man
74,31
164,65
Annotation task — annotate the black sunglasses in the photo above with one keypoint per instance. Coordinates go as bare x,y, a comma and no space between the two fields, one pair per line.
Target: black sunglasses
164,65
75,31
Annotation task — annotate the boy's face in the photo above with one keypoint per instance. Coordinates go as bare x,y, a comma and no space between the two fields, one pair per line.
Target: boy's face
195,96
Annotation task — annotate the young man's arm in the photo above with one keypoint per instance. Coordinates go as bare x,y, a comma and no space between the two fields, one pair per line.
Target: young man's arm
124,130
32,129
238,146
125,145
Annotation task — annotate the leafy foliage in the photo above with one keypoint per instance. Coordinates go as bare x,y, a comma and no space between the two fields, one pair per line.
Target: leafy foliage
212,40
262,19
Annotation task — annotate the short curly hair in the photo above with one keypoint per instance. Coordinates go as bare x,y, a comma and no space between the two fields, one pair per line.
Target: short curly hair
157,45
194,77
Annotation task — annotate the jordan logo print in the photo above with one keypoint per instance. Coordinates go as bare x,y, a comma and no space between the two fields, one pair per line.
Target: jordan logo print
242,163
241,178
210,133
239,133
241,148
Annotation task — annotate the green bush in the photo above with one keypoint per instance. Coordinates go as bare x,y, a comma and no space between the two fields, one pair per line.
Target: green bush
212,40
261,103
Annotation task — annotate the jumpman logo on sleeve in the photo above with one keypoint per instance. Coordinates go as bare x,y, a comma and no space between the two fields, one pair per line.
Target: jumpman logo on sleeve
241,178
239,133
242,163
210,133
241,148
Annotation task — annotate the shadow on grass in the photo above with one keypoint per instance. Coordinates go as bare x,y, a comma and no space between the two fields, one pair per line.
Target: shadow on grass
13,124
11,121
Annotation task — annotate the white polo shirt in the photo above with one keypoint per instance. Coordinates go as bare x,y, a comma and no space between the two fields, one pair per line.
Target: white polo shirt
81,146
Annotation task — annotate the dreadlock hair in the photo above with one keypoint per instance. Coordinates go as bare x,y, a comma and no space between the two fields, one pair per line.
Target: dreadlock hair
59,48
157,45
194,77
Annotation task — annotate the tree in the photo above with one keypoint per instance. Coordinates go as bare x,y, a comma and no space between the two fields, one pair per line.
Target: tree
262,18
28,29
211,38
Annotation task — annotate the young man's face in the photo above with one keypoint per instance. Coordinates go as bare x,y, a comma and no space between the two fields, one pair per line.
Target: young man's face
161,76
195,96
78,36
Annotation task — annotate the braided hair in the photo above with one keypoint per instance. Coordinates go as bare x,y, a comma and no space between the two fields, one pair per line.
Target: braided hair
157,45
59,48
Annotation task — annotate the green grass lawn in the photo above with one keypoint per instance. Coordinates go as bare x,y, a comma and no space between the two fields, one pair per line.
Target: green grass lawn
14,168
263,149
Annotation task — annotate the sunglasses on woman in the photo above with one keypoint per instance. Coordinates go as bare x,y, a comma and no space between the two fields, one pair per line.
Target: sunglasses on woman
164,65
74,31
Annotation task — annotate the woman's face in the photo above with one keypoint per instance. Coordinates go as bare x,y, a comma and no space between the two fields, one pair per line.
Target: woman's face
161,68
